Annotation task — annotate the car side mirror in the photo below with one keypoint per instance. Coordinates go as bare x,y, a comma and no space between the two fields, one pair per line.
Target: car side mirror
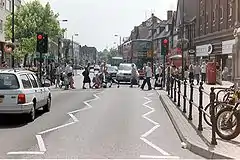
46,85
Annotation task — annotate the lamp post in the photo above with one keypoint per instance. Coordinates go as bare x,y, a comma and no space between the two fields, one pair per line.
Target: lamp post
120,43
182,45
73,50
59,41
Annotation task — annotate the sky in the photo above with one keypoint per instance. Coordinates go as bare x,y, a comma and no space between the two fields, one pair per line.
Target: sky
97,21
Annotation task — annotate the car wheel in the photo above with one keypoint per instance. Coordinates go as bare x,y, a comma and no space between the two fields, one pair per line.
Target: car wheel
47,107
32,115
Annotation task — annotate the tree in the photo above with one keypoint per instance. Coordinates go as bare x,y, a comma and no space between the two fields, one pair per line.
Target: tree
30,19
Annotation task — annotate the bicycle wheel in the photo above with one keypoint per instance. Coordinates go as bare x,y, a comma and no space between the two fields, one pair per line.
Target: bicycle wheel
205,116
227,127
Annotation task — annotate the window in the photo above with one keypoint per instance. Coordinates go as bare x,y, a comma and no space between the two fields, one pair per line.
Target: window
221,12
8,81
230,8
8,5
25,81
34,82
38,81
1,25
206,18
2,3
214,13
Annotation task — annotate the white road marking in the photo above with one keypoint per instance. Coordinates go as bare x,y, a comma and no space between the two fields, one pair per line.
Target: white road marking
56,128
150,94
155,147
150,131
159,157
24,152
73,117
147,98
41,144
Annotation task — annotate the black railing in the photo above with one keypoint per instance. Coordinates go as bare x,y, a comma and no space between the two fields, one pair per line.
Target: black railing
174,92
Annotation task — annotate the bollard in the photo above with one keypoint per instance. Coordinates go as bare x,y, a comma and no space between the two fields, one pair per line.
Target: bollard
179,93
190,101
213,118
168,85
200,107
175,89
185,96
172,80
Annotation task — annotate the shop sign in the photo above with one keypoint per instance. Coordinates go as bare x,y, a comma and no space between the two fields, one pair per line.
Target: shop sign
202,51
227,46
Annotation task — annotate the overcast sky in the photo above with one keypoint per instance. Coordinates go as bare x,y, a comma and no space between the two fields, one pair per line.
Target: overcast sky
97,21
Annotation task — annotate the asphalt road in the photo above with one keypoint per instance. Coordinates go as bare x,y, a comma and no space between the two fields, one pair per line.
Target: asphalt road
116,123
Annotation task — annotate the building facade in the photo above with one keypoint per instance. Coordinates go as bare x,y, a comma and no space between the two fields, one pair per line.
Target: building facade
215,23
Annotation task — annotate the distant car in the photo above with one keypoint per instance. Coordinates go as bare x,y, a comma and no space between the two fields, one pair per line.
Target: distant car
97,68
124,72
112,71
21,92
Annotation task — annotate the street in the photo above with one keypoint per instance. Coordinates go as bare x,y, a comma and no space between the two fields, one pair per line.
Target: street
112,123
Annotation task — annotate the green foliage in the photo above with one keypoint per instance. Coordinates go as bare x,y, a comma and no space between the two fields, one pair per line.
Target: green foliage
30,19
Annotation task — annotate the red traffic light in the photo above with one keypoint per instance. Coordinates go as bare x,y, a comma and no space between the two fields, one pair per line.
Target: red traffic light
165,41
40,37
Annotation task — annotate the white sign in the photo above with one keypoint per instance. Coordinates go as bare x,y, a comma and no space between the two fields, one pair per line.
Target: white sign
202,51
227,46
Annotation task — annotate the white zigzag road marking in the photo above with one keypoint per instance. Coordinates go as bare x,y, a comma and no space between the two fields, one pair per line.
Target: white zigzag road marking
156,125
40,141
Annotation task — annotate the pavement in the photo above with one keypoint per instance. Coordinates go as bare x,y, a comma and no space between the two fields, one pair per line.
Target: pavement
196,141
111,123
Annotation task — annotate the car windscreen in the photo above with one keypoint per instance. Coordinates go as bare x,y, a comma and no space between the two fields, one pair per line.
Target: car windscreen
111,69
8,81
125,67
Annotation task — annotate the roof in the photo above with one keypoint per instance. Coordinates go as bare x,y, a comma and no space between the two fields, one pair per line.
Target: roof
15,70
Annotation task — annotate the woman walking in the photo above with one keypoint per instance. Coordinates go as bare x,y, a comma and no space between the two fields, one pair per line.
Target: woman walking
86,78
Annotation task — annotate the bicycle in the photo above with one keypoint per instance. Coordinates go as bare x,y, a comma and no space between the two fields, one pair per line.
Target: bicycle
228,118
226,98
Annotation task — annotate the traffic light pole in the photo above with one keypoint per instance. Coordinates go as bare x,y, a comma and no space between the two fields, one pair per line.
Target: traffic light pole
40,66
164,68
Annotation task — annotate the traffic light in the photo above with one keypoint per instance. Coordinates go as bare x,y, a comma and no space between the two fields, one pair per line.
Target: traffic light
42,43
164,46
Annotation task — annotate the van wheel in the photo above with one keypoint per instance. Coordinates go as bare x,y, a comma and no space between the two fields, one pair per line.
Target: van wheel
32,115
47,107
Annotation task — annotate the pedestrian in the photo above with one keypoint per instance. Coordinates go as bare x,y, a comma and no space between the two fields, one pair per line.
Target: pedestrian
58,72
191,73
197,72
148,75
134,76
69,72
158,76
203,71
225,73
86,78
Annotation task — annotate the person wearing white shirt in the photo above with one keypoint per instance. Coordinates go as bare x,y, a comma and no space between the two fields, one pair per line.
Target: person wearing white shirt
203,71
148,77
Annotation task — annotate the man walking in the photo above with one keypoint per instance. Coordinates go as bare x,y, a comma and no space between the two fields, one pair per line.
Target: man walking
148,77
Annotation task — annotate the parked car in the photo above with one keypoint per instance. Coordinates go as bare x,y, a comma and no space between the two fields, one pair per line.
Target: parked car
21,92
124,72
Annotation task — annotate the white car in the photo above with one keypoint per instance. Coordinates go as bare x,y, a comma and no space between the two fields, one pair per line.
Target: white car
124,72
21,92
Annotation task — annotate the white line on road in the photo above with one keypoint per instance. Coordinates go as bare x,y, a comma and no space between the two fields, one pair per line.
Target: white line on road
41,144
155,147
24,152
159,157
147,98
40,141
150,94
150,131
56,128
73,117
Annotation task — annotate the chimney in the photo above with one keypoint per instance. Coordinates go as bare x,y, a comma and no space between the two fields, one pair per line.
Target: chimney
169,14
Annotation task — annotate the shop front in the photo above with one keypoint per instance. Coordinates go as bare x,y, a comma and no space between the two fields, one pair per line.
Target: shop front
227,50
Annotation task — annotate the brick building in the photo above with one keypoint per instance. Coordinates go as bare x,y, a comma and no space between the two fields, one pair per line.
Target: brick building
215,23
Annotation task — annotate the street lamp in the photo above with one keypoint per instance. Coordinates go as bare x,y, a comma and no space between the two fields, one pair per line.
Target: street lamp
13,33
76,34
120,47
59,40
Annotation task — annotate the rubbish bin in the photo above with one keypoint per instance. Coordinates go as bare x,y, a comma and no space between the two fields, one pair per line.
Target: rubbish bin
211,73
